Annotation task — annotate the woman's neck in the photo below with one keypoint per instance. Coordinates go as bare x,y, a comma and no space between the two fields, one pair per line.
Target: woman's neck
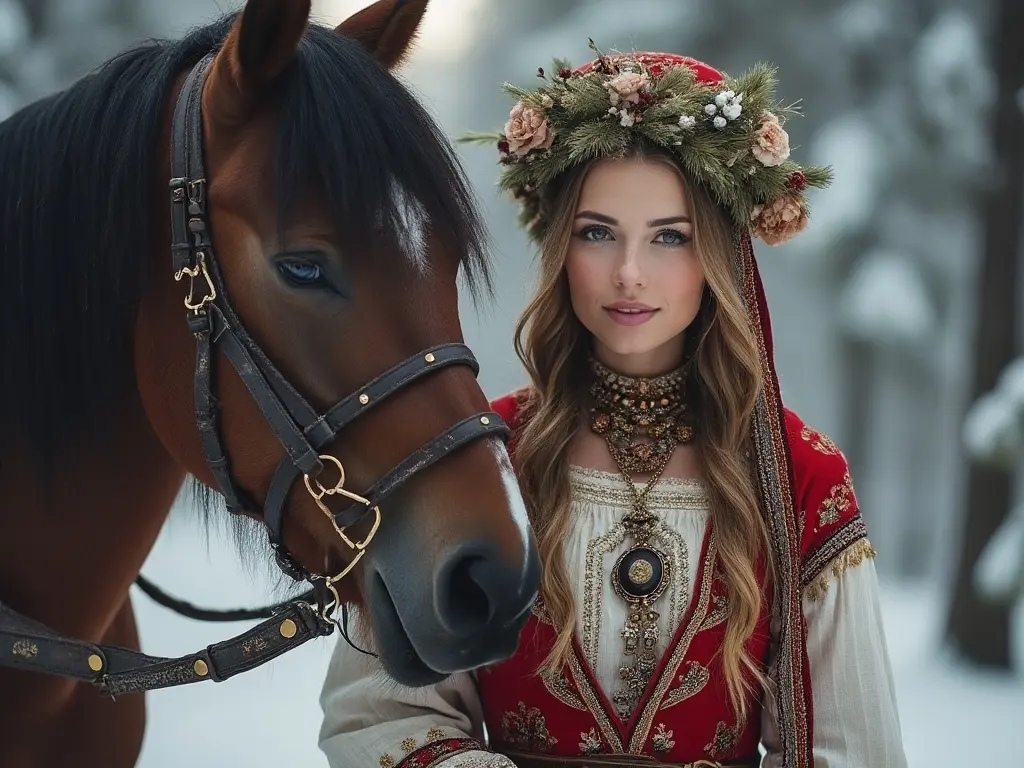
646,365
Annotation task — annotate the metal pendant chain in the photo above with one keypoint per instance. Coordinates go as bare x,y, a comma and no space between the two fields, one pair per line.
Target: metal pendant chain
640,576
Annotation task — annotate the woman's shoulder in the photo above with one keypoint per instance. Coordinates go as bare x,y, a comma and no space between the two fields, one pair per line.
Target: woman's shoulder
815,456
823,487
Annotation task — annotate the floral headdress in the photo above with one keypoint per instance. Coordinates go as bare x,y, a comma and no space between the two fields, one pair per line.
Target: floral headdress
727,133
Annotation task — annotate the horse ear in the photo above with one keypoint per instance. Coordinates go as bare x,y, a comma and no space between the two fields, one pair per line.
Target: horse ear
386,28
261,44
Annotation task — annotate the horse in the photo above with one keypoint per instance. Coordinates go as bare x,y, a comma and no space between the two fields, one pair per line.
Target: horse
320,225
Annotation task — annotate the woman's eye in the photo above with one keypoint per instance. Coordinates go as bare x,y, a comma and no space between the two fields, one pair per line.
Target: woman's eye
671,237
301,273
595,234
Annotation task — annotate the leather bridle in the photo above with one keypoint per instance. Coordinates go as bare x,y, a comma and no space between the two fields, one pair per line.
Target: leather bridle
301,429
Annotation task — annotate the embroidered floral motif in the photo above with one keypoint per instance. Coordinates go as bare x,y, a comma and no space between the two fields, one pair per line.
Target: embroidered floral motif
590,743
435,734
527,729
723,742
691,682
661,741
820,442
851,557
387,761
408,745
839,500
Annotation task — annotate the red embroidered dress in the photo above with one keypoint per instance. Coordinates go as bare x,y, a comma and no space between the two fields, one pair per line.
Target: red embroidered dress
684,715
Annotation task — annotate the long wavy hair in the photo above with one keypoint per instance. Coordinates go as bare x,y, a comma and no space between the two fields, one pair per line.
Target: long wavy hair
553,346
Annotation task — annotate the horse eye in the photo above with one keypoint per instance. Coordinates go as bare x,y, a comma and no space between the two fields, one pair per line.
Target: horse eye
300,273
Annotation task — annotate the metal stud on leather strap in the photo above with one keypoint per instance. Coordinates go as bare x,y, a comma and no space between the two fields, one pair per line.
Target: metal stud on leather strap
200,668
95,662
288,629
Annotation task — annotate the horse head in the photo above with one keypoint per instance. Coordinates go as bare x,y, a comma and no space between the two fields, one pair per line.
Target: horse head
321,227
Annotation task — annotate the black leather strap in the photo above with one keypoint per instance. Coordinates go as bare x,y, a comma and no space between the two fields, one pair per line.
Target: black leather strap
466,431
28,645
398,377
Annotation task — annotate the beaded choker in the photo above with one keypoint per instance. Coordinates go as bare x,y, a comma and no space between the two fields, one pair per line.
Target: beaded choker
641,419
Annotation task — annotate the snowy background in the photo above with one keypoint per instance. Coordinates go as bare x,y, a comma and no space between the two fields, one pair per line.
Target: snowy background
888,337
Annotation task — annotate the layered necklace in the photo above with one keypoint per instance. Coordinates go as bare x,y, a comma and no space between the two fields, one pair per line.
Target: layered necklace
642,420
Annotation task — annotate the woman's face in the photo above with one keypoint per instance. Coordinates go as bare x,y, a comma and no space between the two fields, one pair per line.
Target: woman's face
634,276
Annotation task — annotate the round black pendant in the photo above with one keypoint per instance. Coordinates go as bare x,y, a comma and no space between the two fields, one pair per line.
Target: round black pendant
640,573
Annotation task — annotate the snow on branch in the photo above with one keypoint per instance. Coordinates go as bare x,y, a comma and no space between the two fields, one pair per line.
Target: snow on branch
994,428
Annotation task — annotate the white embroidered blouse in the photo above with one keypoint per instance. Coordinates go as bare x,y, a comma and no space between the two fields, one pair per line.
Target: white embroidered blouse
370,720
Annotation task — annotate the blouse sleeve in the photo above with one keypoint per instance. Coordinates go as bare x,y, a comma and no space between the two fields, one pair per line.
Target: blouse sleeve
855,715
856,722
370,720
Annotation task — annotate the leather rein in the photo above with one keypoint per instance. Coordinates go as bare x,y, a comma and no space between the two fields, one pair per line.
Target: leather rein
302,431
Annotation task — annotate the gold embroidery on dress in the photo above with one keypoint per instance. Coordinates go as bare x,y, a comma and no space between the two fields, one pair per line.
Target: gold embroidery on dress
679,556
851,557
723,742
820,441
593,588
409,744
526,729
662,739
838,501
590,743
559,687
691,682
608,489
594,706
541,612
719,612
653,704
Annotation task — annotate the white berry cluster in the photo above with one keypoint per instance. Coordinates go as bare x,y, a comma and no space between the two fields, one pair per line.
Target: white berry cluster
726,107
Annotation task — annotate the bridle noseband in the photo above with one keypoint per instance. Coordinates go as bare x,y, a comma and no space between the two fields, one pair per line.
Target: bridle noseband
301,429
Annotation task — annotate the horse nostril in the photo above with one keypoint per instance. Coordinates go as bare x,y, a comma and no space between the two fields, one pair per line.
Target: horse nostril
479,590
467,606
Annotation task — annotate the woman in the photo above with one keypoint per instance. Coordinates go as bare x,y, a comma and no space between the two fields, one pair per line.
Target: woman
708,585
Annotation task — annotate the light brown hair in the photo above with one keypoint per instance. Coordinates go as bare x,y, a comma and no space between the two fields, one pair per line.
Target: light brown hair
553,346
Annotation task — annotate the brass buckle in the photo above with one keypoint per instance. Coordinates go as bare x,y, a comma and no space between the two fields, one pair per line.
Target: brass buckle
193,273
358,547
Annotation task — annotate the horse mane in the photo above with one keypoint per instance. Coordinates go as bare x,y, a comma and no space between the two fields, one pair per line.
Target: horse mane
79,169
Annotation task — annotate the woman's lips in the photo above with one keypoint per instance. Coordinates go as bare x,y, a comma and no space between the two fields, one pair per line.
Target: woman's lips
629,315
